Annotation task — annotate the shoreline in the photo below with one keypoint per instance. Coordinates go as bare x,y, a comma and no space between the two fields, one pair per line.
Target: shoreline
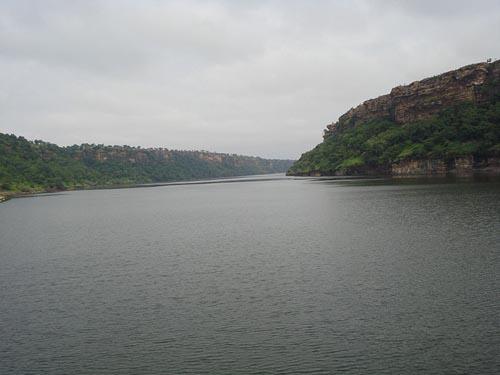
7,195
478,172
478,176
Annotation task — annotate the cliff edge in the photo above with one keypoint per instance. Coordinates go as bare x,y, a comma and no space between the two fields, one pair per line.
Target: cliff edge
446,123
423,99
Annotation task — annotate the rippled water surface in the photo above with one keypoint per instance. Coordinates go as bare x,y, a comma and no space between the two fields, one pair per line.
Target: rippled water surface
284,276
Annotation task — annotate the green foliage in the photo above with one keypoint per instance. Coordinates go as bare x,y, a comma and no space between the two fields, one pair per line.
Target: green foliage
463,130
38,166
356,161
412,151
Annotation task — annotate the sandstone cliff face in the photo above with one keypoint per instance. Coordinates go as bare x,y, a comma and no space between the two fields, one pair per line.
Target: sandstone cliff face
464,166
422,99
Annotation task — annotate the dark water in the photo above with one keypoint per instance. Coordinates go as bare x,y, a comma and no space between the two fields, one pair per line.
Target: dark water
257,277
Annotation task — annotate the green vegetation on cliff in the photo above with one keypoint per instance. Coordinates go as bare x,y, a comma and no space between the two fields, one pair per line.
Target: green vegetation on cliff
449,118
373,146
39,166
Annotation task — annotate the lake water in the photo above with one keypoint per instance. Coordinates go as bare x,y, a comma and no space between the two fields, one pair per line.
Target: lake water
280,276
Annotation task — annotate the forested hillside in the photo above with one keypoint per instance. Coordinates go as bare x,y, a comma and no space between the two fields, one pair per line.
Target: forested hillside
448,123
378,146
39,166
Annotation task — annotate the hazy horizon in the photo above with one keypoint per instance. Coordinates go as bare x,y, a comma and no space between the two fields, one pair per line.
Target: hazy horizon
253,78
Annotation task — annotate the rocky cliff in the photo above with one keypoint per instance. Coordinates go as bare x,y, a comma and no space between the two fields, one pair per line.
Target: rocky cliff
442,124
425,98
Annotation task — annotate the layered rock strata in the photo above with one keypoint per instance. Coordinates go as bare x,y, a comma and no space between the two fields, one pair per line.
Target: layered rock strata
425,98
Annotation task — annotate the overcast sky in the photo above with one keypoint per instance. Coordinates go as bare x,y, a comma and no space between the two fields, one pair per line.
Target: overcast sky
250,77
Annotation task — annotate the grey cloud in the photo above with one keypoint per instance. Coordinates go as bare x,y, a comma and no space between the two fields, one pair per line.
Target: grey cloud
260,78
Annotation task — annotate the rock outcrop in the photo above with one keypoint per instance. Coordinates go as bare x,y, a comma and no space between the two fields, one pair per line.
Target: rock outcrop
446,124
464,166
423,99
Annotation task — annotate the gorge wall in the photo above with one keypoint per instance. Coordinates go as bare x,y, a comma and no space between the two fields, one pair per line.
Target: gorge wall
448,123
423,99
462,166
33,166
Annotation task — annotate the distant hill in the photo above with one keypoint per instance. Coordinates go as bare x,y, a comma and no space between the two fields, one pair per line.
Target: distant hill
40,166
449,123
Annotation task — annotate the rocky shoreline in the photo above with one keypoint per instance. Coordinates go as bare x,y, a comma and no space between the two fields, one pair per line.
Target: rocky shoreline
464,166
4,198
459,167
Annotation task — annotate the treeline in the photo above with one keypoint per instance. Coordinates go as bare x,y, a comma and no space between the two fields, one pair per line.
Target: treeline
463,130
39,166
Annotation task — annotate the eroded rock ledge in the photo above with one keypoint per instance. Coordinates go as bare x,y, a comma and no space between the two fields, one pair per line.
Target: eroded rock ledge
465,166
423,99
446,124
